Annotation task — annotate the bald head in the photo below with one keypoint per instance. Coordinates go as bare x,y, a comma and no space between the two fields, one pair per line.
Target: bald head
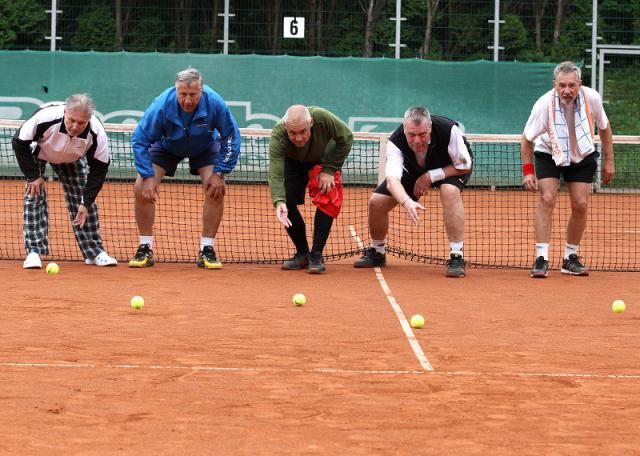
297,116
298,123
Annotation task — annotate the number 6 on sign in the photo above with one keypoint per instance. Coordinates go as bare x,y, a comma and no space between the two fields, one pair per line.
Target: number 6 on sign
293,27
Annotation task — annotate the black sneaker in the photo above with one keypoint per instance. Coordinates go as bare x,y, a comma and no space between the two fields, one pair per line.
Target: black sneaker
455,267
573,266
296,262
371,259
208,259
316,263
540,268
143,257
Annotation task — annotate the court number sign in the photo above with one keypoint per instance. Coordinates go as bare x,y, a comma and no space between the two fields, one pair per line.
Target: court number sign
293,27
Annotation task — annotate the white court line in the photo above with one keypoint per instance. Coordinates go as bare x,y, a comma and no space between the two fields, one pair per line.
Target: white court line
406,327
548,375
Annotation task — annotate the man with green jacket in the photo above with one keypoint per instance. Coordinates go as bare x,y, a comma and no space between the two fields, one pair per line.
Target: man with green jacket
308,141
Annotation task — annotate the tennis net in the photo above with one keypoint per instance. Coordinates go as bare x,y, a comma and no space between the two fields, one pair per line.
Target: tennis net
499,215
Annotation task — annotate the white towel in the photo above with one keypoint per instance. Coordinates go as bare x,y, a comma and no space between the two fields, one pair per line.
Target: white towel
559,131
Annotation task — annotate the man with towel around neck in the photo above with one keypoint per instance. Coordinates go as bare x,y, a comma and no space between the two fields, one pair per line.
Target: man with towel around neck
562,125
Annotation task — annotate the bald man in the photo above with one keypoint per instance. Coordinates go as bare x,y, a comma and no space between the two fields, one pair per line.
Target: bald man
308,141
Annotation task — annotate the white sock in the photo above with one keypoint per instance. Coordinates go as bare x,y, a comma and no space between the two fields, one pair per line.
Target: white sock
542,250
205,241
456,248
378,245
147,240
570,249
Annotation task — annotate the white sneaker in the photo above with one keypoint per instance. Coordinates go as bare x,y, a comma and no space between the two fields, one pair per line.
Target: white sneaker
102,260
32,261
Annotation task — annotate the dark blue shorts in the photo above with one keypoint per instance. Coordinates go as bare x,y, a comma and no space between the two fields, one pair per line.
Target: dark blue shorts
169,162
408,182
575,172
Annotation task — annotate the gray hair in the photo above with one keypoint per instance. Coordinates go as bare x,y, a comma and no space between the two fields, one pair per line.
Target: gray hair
417,114
80,102
189,76
567,67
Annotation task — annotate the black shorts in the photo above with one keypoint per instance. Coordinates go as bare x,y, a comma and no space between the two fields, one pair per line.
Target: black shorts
296,178
575,172
169,162
408,182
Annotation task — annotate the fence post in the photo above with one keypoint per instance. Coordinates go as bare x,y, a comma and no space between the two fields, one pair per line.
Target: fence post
398,19
496,31
54,24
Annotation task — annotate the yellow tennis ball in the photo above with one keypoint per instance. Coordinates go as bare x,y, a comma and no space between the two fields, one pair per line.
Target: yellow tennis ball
299,299
417,321
52,269
618,306
137,302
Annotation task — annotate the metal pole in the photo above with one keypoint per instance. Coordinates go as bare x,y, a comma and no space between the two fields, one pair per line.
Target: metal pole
496,30
594,42
398,13
225,45
54,19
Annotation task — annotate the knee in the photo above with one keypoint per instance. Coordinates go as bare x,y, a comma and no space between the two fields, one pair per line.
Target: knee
580,206
547,201
379,204
450,196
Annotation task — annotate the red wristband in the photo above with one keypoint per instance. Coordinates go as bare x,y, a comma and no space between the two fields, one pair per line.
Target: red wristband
527,169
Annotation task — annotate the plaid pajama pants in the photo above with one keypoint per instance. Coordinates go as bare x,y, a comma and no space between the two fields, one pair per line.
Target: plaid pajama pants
73,177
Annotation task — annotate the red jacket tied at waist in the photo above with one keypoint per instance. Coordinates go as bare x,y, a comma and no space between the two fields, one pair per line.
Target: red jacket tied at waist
329,203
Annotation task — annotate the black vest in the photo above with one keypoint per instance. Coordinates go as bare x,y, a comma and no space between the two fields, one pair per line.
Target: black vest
438,152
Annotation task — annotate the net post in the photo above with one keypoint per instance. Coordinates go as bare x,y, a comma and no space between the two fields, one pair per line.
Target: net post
382,158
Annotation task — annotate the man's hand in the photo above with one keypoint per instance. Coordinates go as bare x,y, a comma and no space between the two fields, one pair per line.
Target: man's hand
35,187
412,207
215,188
325,182
423,183
530,183
608,171
282,213
149,189
81,216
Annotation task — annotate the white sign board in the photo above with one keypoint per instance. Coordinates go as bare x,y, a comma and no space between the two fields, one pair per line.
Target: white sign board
293,27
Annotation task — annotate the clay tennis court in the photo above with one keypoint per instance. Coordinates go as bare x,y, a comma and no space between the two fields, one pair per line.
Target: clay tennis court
221,362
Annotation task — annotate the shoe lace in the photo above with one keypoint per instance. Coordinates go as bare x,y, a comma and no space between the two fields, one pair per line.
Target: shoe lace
455,261
142,251
539,263
575,260
208,252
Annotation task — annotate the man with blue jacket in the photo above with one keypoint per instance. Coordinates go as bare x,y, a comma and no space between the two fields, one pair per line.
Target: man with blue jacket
192,121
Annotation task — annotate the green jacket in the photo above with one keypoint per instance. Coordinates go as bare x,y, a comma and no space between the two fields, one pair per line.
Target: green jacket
330,143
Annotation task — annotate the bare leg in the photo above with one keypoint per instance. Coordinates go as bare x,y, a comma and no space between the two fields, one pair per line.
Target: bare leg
453,212
146,209
212,209
579,193
548,191
379,207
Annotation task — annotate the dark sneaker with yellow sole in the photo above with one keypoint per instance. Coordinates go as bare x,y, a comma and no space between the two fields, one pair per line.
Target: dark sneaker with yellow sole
143,257
208,259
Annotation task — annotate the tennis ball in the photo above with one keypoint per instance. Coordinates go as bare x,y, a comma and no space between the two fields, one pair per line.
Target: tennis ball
52,269
299,299
618,306
137,302
417,321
